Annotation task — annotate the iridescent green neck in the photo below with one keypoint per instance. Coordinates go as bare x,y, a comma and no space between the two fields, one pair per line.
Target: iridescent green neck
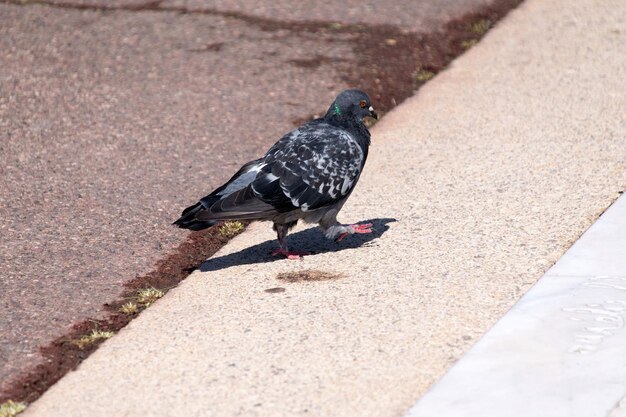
336,109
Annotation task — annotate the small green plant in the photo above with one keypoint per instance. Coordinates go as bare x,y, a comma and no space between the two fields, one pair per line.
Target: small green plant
468,43
481,26
147,296
11,408
423,75
129,308
89,339
230,229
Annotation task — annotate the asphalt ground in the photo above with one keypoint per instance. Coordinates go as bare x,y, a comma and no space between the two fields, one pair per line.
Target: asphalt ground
116,115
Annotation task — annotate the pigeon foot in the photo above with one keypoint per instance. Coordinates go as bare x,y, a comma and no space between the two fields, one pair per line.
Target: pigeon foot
294,255
358,228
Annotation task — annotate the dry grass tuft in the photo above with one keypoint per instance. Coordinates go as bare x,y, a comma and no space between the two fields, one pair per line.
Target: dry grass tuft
11,408
335,26
129,308
231,229
423,75
467,44
93,337
147,296
481,26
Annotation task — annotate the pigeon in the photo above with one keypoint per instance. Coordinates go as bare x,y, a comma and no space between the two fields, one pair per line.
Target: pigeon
307,175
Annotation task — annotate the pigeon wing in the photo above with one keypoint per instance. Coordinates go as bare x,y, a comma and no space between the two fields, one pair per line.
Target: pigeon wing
234,199
312,167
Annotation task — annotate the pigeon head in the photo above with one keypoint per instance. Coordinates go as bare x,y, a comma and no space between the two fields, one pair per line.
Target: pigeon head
351,105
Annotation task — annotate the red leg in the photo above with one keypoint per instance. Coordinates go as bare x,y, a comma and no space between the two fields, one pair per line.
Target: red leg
282,230
358,228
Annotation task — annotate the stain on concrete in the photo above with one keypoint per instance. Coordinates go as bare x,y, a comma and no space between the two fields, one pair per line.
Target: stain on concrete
309,275
275,290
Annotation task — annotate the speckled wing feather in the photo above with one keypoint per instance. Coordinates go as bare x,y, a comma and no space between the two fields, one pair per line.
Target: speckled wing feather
314,166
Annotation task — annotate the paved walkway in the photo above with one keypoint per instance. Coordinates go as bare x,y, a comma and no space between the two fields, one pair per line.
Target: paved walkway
476,186
116,114
559,352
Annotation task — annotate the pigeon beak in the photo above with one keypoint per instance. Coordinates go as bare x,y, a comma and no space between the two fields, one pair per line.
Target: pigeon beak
373,113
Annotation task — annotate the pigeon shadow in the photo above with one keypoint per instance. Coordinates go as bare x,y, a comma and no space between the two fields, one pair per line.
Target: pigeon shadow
311,240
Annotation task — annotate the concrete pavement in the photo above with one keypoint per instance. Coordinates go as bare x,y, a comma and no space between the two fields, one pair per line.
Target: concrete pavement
490,173
559,352
115,115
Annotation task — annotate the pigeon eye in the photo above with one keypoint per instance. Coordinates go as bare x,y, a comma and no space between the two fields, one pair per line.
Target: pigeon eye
363,104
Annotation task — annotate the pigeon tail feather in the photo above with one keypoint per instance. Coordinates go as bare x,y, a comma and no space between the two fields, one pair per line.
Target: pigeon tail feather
189,221
241,205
